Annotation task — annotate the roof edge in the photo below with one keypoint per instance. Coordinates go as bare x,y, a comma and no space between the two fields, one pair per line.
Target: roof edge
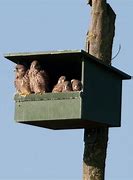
6,55
59,52
112,68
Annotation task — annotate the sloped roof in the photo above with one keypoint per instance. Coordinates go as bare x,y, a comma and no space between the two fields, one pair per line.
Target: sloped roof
72,55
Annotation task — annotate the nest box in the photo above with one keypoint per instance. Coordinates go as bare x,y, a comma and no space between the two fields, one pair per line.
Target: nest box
98,104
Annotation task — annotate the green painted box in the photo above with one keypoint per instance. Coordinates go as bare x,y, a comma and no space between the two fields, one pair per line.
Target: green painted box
98,104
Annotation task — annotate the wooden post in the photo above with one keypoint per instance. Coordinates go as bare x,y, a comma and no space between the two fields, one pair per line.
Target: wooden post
99,42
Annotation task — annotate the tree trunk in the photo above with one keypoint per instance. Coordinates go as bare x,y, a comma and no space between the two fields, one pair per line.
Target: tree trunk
99,38
99,42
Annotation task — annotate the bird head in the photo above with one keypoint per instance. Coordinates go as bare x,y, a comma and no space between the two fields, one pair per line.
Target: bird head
76,85
35,65
61,79
20,70
67,86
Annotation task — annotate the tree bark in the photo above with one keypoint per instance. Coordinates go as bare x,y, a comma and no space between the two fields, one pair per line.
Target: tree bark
99,38
99,41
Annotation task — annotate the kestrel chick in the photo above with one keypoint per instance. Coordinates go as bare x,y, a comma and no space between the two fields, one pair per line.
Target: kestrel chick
59,86
67,86
22,83
38,78
76,85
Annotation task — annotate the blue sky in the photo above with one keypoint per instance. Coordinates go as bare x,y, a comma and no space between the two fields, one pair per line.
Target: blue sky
28,152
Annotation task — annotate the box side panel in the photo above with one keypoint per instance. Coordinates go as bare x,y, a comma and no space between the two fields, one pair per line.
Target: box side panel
102,95
48,110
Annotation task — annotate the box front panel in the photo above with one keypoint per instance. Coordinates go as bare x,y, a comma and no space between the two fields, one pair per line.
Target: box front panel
48,110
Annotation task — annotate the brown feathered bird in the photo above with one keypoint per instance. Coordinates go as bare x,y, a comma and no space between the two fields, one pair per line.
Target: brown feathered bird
38,78
59,86
67,86
22,83
76,85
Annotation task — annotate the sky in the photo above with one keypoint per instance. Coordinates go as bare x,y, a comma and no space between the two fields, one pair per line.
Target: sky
33,153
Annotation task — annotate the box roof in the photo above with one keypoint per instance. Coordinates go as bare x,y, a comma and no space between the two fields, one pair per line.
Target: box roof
72,55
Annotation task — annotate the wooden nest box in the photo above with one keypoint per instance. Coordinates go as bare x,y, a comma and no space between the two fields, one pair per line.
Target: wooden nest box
98,104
